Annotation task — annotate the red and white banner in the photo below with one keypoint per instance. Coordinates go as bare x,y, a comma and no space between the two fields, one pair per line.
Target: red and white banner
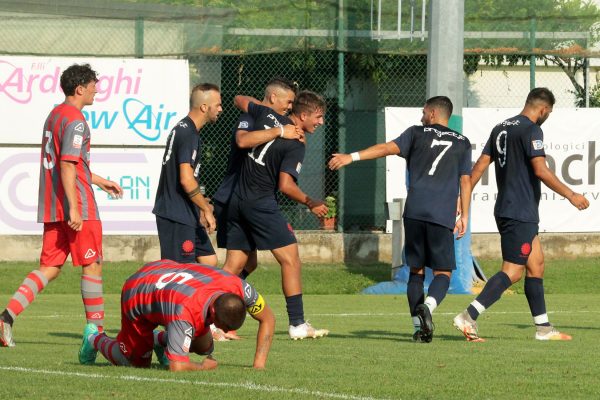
572,145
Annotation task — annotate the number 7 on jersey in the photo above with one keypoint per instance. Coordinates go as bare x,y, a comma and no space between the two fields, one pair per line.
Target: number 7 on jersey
435,142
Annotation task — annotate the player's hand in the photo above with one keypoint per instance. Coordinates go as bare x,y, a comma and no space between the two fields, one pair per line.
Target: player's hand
461,226
579,201
209,363
203,220
339,160
317,207
112,188
75,221
210,224
293,132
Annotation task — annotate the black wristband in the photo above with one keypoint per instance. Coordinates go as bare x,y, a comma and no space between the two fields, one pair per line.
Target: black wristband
193,192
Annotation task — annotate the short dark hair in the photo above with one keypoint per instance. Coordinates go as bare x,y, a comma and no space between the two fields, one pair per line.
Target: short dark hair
541,94
441,102
203,87
76,75
282,83
308,102
230,311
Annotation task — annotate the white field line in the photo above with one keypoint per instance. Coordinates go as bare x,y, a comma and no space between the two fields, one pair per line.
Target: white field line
246,386
372,314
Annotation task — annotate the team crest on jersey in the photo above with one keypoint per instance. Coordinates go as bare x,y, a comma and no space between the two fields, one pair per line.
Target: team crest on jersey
298,167
537,144
243,125
79,127
77,141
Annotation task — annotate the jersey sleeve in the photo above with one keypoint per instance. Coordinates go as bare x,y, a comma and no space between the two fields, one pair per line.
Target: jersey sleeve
256,110
404,142
292,159
179,340
245,122
252,299
466,163
535,145
186,147
72,141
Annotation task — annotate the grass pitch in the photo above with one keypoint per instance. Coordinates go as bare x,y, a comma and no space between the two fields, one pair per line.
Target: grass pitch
368,355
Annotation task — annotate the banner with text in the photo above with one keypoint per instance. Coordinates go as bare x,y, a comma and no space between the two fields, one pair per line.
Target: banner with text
572,145
138,100
136,170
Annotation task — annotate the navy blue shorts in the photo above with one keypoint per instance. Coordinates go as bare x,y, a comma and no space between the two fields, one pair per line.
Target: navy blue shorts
182,243
516,239
256,224
428,245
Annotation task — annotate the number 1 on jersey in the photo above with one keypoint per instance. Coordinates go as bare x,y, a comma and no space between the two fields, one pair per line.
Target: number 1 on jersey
435,142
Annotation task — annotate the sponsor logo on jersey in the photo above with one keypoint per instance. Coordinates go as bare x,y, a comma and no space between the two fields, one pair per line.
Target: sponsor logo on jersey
77,141
79,127
537,144
89,253
243,125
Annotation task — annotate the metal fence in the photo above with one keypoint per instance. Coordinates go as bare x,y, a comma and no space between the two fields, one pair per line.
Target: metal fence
361,55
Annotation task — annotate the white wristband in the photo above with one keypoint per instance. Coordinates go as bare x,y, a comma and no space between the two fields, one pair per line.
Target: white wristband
355,156
281,127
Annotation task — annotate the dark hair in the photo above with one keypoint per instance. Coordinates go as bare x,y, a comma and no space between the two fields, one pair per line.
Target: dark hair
308,102
442,103
282,83
76,75
203,87
230,311
541,94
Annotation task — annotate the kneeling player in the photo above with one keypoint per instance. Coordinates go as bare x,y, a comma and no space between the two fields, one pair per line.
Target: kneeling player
185,299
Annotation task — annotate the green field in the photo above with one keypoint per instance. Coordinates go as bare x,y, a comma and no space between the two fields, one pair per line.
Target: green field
368,354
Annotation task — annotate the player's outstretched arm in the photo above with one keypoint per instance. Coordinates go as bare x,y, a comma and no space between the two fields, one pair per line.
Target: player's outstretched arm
288,186
206,364
264,336
545,174
340,160
249,139
479,168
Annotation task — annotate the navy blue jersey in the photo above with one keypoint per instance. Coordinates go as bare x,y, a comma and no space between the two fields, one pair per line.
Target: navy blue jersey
511,145
183,147
235,160
259,176
436,158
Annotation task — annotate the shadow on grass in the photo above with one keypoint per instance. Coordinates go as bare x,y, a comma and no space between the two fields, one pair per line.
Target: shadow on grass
377,272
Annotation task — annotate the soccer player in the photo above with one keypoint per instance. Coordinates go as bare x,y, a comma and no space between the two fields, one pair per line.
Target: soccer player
179,203
254,219
439,163
516,146
185,299
66,205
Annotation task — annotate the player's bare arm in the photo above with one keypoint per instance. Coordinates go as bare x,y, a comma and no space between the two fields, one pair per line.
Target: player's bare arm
241,102
465,203
248,139
190,186
68,177
545,174
264,336
112,188
340,160
483,162
288,186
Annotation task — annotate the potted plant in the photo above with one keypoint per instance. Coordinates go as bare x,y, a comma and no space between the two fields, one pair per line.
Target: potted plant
329,221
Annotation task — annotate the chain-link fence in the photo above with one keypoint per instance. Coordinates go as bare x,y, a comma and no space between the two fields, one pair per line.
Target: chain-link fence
362,55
